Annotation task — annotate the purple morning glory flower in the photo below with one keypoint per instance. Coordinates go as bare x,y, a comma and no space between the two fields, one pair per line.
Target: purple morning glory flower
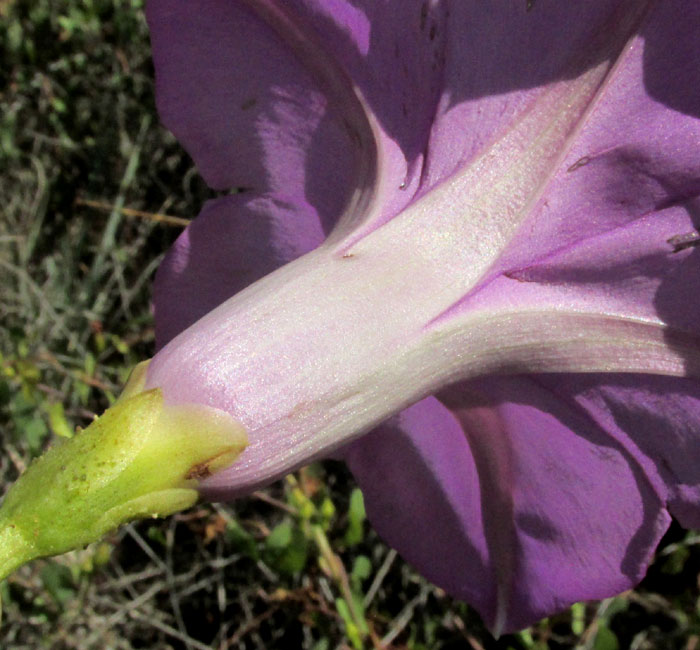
469,230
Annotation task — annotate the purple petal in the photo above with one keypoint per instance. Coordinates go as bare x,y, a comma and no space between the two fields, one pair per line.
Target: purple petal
655,418
436,111
613,235
635,159
519,507
444,80
250,113
235,241
421,491
278,95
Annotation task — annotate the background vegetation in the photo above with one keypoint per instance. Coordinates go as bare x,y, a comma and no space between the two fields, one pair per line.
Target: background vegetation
92,191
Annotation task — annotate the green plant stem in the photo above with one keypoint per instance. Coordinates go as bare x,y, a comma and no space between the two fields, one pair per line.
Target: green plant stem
340,576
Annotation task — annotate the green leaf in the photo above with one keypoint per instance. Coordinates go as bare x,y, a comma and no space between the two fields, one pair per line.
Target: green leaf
57,421
35,431
361,570
675,562
287,548
605,639
356,518
280,537
327,511
119,344
351,630
58,582
241,539
90,364
302,503
578,618
5,393
155,534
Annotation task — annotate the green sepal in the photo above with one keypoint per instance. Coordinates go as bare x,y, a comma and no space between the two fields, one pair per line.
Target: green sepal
142,458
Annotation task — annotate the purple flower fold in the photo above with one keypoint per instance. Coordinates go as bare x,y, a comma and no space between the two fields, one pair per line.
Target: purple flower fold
465,259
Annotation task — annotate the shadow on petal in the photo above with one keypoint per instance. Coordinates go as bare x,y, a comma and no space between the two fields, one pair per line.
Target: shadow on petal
561,511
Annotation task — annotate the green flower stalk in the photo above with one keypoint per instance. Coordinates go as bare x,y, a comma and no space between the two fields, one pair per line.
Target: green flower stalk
113,472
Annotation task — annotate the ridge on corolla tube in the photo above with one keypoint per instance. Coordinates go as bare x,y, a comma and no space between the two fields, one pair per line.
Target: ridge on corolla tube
142,458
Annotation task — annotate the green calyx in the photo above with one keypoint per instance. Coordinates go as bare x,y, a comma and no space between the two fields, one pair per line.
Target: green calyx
142,458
